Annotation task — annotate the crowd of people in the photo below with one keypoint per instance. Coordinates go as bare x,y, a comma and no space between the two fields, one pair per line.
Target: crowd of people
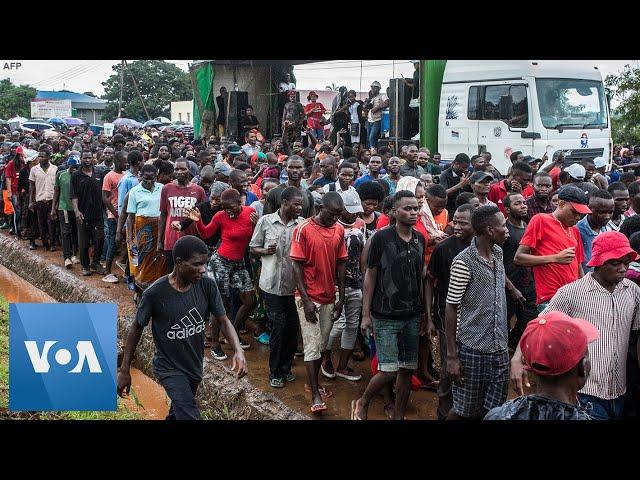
338,251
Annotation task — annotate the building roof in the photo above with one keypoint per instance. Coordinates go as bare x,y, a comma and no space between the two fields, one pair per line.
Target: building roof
67,95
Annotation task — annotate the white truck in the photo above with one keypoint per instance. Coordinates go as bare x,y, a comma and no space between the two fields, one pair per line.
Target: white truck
536,107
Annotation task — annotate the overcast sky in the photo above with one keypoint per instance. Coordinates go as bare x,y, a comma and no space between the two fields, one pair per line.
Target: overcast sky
88,75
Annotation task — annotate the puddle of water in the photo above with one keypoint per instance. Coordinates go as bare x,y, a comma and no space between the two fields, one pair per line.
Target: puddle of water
150,395
154,403
17,290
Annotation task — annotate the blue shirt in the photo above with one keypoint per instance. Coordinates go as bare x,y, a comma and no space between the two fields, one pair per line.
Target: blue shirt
587,234
362,179
251,197
143,202
126,183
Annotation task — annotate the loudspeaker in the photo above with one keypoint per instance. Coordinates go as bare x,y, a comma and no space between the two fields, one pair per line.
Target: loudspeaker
399,111
238,102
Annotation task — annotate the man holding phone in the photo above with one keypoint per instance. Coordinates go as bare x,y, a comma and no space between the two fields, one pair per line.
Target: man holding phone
552,245
271,241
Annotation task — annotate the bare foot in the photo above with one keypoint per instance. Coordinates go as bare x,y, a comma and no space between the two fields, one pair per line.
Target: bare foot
359,412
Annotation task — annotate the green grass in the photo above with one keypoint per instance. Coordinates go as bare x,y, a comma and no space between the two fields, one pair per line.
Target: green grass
123,413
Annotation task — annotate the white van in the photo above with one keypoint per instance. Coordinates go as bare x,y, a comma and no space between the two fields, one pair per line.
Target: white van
532,106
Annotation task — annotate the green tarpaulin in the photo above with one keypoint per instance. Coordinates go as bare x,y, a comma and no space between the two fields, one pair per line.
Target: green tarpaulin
203,100
431,75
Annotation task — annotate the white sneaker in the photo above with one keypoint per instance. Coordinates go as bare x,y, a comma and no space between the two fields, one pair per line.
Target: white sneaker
75,260
416,137
68,263
111,278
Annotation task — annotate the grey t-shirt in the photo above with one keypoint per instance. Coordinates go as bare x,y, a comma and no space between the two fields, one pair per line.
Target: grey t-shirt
178,324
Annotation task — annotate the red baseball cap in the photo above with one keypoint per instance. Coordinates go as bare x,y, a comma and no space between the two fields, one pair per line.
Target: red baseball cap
554,343
610,246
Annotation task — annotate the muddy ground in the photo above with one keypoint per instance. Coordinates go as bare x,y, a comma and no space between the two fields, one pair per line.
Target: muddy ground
422,404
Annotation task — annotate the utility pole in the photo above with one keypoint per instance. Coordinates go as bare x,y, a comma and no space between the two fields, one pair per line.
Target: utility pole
135,84
121,83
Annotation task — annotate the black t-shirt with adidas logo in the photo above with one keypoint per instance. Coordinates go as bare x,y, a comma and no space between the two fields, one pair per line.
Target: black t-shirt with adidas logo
177,323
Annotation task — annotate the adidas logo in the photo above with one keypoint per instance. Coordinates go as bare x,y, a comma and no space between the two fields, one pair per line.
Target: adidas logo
189,325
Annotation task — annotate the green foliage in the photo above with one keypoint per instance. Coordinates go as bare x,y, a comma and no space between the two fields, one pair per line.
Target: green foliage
159,83
15,99
625,123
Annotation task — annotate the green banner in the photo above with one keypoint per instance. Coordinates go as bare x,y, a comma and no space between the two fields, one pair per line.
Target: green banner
204,113
431,75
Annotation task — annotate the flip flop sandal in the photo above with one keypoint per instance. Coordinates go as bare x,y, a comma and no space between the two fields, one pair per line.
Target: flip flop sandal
319,407
433,385
324,393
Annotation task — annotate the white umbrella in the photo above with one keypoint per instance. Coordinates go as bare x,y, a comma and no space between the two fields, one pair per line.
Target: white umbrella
16,122
18,119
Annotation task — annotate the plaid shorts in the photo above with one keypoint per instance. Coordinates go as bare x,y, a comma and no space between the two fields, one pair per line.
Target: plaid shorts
485,384
230,274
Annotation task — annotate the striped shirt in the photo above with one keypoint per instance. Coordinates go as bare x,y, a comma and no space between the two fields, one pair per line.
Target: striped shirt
612,227
477,288
615,315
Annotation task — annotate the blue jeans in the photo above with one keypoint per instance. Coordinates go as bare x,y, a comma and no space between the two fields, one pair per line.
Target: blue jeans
396,343
105,246
111,224
373,133
17,214
603,409
318,133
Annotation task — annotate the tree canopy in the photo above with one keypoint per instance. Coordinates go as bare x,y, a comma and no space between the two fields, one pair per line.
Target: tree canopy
159,83
15,99
625,122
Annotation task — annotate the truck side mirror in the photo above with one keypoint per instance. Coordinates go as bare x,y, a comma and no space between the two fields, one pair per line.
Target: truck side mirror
506,108
608,95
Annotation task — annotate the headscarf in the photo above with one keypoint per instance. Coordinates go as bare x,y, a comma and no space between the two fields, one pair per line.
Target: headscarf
426,217
217,188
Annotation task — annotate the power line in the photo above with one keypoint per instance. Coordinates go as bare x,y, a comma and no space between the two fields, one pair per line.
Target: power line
76,74
78,69
300,69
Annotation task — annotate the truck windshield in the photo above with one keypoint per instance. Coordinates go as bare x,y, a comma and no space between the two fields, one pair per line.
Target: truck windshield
571,103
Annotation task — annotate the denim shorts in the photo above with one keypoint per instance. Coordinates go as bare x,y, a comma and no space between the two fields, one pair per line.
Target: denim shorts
396,343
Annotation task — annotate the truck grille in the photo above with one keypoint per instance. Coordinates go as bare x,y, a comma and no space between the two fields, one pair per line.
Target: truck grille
577,155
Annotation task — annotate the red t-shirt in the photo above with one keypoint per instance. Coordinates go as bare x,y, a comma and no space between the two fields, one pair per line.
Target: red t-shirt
555,177
235,233
383,221
545,235
498,191
110,184
173,200
315,117
319,248
11,172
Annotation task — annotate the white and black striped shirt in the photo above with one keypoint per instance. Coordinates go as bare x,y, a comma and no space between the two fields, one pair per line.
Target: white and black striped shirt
615,315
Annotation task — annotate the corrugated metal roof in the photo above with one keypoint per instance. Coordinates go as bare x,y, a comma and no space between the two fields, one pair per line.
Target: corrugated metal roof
67,95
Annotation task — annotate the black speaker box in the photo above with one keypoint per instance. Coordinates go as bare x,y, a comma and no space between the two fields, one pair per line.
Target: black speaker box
399,111
238,102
